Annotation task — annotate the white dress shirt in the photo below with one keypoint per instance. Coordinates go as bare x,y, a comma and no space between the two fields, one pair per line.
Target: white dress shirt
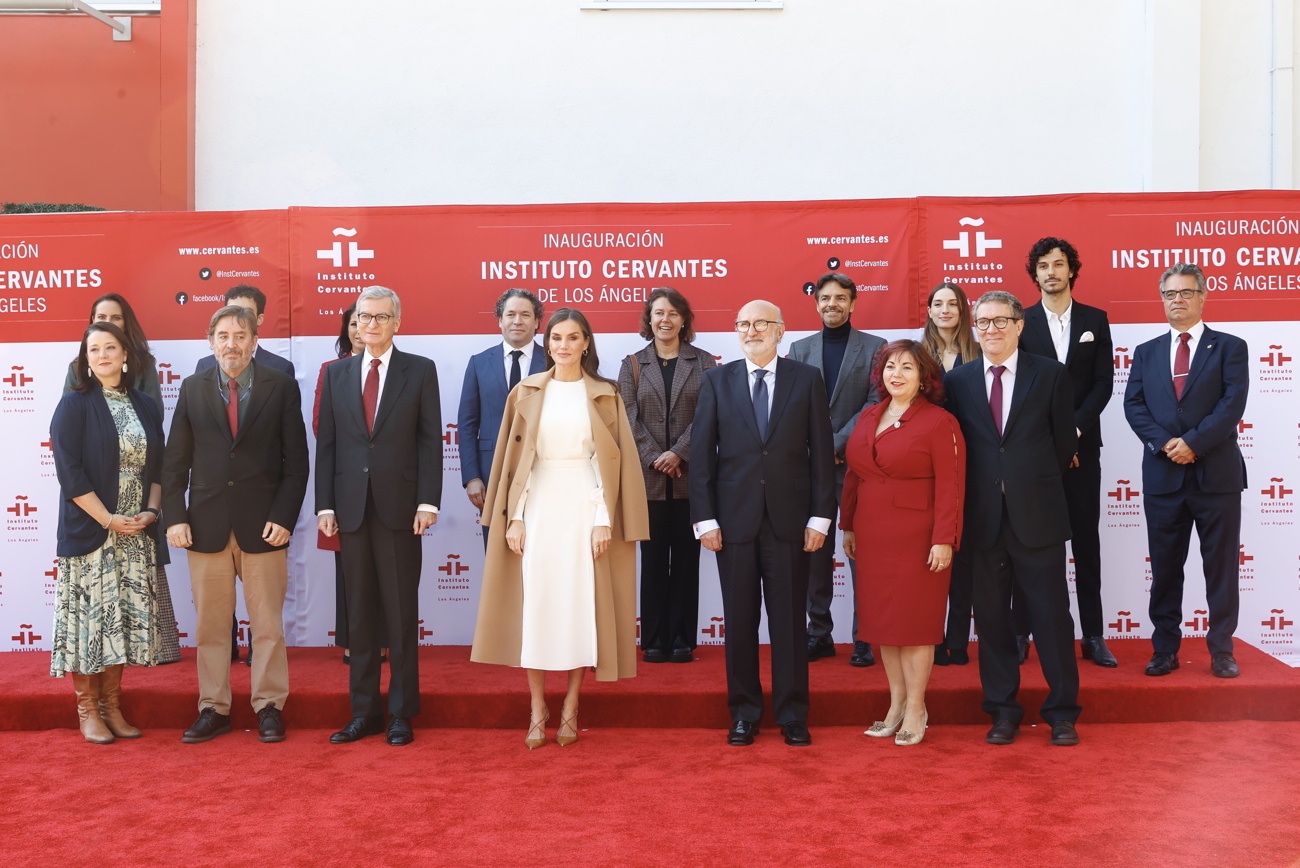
525,361
1059,326
1195,331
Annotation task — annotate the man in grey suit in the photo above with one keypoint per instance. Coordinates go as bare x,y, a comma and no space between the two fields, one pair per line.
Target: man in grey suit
844,357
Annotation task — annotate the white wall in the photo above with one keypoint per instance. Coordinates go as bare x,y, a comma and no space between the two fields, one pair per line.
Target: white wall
513,101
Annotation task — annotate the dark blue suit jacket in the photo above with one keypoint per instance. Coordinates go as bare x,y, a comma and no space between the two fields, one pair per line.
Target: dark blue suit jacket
86,458
1026,462
735,476
263,356
482,404
1206,417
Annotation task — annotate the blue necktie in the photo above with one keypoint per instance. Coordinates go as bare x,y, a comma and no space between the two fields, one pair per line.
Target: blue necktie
760,402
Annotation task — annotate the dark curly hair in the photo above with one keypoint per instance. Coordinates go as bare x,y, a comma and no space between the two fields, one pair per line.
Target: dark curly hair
679,303
1044,246
929,368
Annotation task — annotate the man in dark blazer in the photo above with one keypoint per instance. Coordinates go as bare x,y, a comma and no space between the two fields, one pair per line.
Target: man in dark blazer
1185,397
762,497
1016,411
379,486
239,447
489,377
1077,336
844,356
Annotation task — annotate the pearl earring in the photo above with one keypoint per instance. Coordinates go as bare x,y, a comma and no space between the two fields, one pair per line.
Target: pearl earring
124,367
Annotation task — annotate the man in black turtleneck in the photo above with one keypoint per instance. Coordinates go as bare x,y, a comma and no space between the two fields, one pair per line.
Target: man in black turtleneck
844,355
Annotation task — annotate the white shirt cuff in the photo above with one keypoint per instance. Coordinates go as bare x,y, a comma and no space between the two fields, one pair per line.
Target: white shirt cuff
821,525
702,527
427,507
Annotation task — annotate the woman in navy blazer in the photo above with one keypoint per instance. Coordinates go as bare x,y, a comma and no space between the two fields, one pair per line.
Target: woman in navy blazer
107,440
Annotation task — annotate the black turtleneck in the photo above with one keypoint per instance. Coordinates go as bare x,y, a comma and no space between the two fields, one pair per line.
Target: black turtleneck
834,342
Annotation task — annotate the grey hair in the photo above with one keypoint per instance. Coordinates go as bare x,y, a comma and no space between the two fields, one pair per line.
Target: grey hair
999,295
382,292
1184,268
247,318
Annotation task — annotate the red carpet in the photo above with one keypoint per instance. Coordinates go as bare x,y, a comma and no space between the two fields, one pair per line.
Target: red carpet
1222,794
458,693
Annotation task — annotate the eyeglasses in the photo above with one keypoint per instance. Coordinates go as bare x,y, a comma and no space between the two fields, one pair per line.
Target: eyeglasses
381,318
998,322
1171,294
758,325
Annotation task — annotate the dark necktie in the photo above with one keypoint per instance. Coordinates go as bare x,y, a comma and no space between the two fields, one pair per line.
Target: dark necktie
232,408
514,367
370,395
1182,364
760,402
995,396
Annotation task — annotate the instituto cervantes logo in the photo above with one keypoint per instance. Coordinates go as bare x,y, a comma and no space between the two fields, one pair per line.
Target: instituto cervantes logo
1199,623
424,633
18,377
1124,623
21,521
1123,361
1276,505
716,631
26,637
1276,628
1275,373
1123,505
18,394
971,264
453,584
355,253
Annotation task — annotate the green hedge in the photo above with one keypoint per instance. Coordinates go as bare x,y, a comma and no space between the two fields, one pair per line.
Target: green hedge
44,208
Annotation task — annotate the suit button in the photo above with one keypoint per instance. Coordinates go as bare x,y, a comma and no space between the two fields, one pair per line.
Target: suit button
372,446
764,452
365,470
503,512
230,484
232,455
997,482
762,482
1180,411
518,438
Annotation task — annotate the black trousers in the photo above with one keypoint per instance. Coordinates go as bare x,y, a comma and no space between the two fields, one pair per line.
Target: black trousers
1039,575
670,578
956,633
381,573
1217,518
821,583
774,572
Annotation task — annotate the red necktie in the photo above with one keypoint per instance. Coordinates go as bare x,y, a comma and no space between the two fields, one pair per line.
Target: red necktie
370,395
232,408
995,396
1182,364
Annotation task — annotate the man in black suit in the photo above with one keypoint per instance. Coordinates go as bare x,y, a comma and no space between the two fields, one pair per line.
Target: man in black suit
1016,411
1185,397
1077,336
239,446
762,498
843,355
379,486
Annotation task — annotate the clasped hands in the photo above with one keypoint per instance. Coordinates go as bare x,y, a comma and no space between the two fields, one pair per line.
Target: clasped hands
1179,452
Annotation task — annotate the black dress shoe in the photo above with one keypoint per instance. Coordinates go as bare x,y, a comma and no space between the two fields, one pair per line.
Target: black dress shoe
796,734
399,731
819,647
1064,734
1003,732
941,655
682,655
1094,649
1224,665
207,727
654,655
862,655
959,656
1022,646
742,732
1162,664
269,726
357,729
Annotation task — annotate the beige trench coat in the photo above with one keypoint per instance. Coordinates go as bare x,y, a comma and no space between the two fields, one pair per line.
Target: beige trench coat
498,631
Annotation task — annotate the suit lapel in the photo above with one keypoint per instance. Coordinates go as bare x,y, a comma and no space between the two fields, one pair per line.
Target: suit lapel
1025,376
394,383
538,363
688,360
745,399
784,386
257,400
1077,327
350,383
211,382
1209,344
852,353
1162,376
979,396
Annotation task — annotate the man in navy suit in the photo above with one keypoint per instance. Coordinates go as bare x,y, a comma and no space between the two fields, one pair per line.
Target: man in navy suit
843,355
379,487
1077,336
489,377
762,498
1186,395
1016,411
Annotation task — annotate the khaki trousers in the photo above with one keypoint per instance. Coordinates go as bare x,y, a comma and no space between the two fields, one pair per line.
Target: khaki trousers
212,579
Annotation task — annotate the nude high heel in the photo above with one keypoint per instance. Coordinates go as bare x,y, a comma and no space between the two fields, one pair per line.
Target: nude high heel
906,737
537,733
572,723
880,729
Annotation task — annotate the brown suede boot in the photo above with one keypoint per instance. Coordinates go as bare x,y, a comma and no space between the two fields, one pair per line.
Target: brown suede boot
110,698
92,726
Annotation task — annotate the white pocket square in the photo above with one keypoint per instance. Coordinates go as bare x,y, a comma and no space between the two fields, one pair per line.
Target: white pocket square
1086,337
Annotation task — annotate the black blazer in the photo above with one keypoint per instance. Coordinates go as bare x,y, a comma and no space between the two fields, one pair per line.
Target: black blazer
1026,462
236,484
86,458
735,475
1091,363
400,464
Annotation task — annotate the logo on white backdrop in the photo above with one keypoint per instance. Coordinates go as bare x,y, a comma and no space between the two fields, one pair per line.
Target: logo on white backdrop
355,252
1123,361
25,638
969,243
17,391
1276,373
1123,505
1275,629
1124,623
1198,624
1276,505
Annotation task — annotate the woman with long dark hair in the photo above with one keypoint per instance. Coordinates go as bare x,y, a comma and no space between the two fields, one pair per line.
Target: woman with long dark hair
948,334
114,309
565,506
107,439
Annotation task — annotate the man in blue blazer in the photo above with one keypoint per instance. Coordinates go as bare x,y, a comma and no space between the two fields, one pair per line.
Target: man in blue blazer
1186,395
844,356
489,377
1077,335
1016,411
762,499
